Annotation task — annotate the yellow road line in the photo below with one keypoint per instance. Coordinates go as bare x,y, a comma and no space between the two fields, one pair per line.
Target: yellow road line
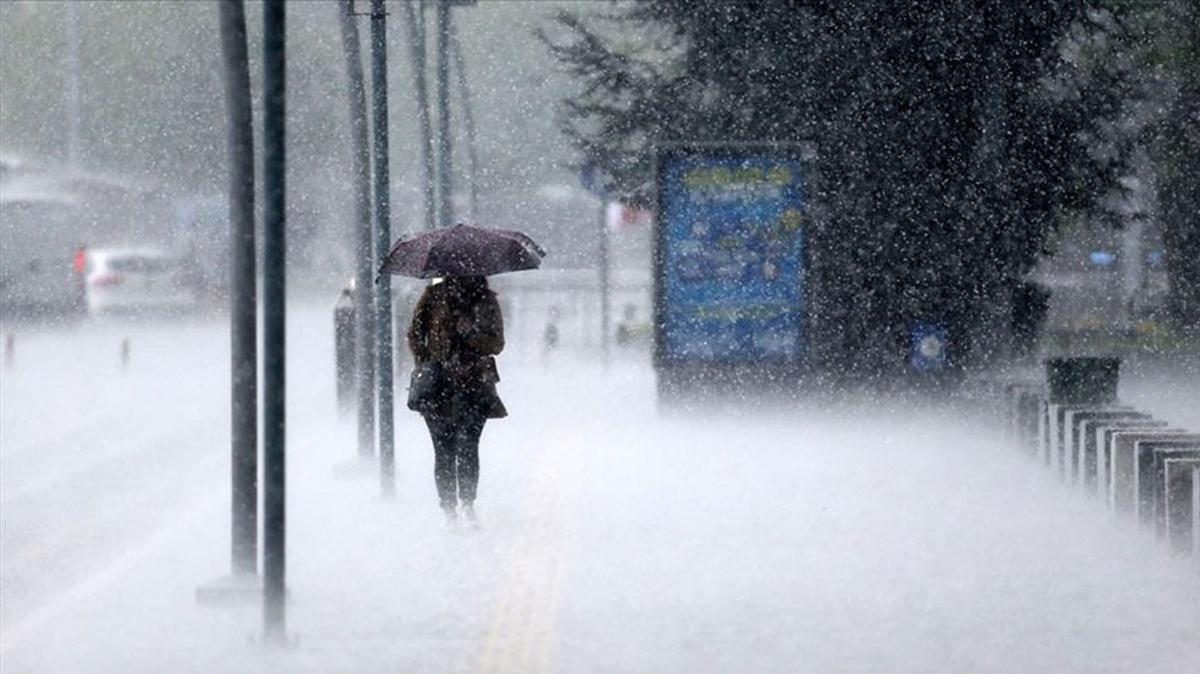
521,636
566,544
499,620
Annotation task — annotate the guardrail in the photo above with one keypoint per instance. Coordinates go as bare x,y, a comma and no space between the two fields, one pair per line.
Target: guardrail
1140,468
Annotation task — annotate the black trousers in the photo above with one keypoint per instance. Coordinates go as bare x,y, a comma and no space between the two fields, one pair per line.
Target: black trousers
456,455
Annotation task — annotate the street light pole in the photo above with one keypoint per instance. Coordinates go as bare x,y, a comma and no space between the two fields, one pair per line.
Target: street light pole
383,290
274,315
242,291
464,96
73,107
442,40
602,263
364,296
414,20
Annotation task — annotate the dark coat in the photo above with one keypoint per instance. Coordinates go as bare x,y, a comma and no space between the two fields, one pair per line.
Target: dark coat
462,330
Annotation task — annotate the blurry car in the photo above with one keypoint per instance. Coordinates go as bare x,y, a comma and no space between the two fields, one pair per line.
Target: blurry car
36,239
135,280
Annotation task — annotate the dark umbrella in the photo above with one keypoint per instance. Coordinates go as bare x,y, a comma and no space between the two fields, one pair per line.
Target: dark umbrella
462,250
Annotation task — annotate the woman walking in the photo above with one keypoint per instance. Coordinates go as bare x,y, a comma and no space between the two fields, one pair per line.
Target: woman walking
457,326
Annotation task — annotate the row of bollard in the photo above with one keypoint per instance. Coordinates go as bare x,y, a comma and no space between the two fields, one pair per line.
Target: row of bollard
124,352
1139,467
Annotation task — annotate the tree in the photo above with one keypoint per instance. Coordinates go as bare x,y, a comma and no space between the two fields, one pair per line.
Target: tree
945,161
1176,148
1135,67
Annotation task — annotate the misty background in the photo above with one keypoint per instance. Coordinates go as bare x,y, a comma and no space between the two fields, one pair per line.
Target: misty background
970,159
1026,175
151,117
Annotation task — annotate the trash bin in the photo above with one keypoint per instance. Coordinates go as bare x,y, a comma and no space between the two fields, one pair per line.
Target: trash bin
1083,380
343,344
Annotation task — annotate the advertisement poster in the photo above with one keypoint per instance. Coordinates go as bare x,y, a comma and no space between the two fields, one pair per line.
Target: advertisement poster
731,257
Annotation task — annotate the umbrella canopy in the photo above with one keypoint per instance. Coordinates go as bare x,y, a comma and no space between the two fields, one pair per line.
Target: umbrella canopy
462,250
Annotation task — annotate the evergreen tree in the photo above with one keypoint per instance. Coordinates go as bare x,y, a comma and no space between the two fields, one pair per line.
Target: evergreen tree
944,159
1134,72
1176,148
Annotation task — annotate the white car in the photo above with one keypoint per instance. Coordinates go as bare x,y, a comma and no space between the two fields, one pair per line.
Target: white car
136,279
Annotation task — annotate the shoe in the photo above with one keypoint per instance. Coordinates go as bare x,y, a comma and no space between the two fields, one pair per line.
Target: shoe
469,514
451,517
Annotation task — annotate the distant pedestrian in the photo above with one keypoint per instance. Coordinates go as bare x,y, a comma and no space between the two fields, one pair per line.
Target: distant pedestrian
625,327
550,334
457,328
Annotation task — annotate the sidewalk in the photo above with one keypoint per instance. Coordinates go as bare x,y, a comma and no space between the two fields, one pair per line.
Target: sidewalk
617,541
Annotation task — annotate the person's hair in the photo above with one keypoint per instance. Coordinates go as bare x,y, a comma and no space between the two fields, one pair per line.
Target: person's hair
467,288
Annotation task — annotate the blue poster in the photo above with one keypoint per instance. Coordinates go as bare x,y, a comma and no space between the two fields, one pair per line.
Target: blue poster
927,347
732,258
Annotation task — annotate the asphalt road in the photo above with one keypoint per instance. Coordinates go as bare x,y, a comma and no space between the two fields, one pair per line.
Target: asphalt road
874,536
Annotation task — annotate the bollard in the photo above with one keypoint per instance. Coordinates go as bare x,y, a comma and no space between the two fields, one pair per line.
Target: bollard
1196,513
1079,433
1178,519
1010,400
1122,473
343,346
10,350
1058,419
1089,435
124,354
1153,473
1105,434
1030,404
1043,432
1075,384
1135,485
1022,401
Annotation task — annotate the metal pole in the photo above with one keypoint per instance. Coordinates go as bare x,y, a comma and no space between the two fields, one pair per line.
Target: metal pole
73,108
414,20
274,314
364,291
242,290
464,95
445,208
604,280
383,236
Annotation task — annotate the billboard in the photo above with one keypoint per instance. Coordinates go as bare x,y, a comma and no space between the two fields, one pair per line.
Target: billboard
730,257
